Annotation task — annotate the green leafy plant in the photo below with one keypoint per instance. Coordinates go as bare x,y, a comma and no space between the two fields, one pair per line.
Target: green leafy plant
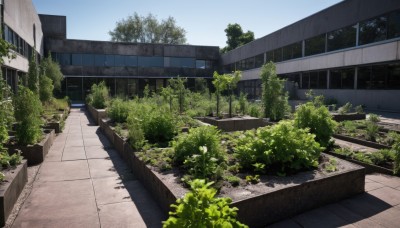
373,118
2,176
159,126
243,103
254,110
98,96
345,108
202,165
45,88
253,179
136,135
371,131
118,110
396,151
275,100
27,113
233,180
179,90
200,208
359,109
282,147
33,75
331,166
224,82
318,120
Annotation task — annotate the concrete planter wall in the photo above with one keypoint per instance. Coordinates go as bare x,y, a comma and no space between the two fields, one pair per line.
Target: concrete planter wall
11,188
56,126
97,114
36,153
349,116
235,123
361,142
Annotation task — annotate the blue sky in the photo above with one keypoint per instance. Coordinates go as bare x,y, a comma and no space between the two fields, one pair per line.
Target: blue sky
204,20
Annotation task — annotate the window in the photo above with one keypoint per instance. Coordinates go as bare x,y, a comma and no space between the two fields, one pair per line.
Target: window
99,60
342,38
145,61
373,30
315,45
305,81
249,63
292,51
393,77
64,59
259,60
131,60
342,79
278,55
270,56
109,60
87,59
119,60
180,62
372,77
76,59
394,25
200,64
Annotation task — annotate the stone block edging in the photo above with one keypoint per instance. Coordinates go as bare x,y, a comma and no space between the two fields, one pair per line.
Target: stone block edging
361,142
96,114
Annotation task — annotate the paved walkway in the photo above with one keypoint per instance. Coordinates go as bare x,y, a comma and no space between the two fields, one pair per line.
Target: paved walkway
84,183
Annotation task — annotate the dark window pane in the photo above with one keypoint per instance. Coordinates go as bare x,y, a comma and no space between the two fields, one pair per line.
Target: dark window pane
64,59
315,45
249,63
373,30
393,76
378,77
335,79
270,56
119,60
209,64
342,38
322,79
76,59
131,60
348,78
259,60
181,62
153,61
110,60
364,78
305,81
294,78
278,55
291,51
313,80
87,59
99,60
394,25
201,64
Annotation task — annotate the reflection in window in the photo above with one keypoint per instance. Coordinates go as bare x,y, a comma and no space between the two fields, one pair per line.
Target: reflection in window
87,59
64,59
76,59
342,38
315,45
258,60
119,60
305,81
200,64
110,60
394,25
153,61
278,55
372,77
99,60
131,60
393,78
342,79
292,51
270,56
181,62
373,30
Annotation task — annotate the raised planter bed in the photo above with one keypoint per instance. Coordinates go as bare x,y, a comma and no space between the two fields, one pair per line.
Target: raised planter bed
235,123
36,153
107,130
11,188
361,142
97,114
56,126
369,168
271,200
349,116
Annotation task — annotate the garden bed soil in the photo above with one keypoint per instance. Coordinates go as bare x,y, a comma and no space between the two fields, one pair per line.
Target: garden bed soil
369,168
96,114
36,153
235,123
271,200
361,142
11,188
349,116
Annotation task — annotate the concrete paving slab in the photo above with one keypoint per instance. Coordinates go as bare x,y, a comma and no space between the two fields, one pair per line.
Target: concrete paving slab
351,217
74,143
369,186
102,168
57,147
121,215
387,180
285,224
61,171
99,141
111,190
60,204
74,153
365,205
388,195
94,152
388,218
320,217
53,156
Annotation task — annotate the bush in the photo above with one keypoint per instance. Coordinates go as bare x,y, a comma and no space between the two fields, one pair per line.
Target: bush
282,147
27,113
187,145
98,96
200,208
373,118
118,110
345,108
317,119
45,88
359,109
159,126
372,131
135,135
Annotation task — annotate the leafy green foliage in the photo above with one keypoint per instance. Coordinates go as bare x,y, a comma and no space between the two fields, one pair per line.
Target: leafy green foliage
236,37
253,179
200,208
52,70
317,119
33,75
7,160
179,90
159,126
275,100
282,146
45,88
98,96
224,82
396,151
331,166
359,109
373,118
118,110
233,180
372,131
202,165
27,113
6,111
243,103
345,108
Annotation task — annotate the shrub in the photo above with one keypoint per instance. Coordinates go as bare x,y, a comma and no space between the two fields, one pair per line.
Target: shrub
200,208
33,75
373,118
243,103
345,108
317,119
282,146
45,88
359,109
27,113
187,145
98,96
135,135
118,110
372,131
159,126
396,151
202,165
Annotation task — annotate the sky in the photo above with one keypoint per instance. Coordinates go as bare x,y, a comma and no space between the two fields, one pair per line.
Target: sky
204,21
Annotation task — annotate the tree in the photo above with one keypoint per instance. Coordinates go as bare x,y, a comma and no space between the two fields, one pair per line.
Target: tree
178,85
140,29
275,100
52,70
236,37
33,75
223,82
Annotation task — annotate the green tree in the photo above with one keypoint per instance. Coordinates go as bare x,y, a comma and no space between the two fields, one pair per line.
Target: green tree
236,37
275,100
52,70
140,29
33,75
45,88
224,82
178,86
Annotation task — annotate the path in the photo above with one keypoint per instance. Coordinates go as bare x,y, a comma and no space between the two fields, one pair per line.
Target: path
84,183
353,146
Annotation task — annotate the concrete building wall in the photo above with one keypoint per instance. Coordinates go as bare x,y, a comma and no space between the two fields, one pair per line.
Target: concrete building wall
343,14
54,26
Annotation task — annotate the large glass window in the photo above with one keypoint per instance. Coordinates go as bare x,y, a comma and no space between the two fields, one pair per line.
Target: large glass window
131,60
99,60
342,79
305,81
372,77
200,64
119,60
153,61
342,38
249,63
259,60
393,78
87,59
373,30
292,51
315,45
76,59
110,60
181,62
64,59
394,25
270,56
278,55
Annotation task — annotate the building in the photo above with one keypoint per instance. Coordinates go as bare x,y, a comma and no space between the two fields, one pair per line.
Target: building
349,52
